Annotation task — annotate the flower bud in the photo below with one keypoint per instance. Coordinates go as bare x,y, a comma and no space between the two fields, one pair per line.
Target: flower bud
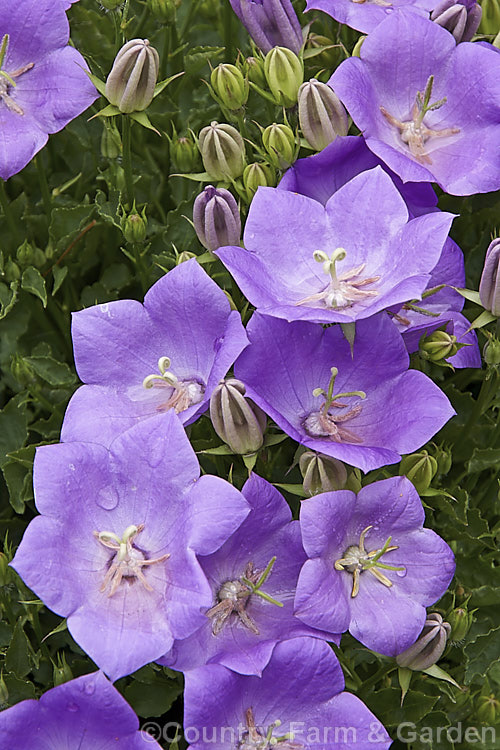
222,150
216,218
490,19
461,19
429,646
61,671
134,226
12,271
257,175
279,142
229,86
420,468
253,68
270,22
322,115
489,286
22,370
111,142
164,10
444,459
184,256
460,620
184,153
488,709
438,345
131,84
491,352
237,420
284,74
30,255
327,55
321,473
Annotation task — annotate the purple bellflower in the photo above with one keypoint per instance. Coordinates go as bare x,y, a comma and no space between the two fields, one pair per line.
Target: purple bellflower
43,83
372,568
430,109
115,549
270,23
138,361
253,578
86,713
363,408
341,262
366,15
297,704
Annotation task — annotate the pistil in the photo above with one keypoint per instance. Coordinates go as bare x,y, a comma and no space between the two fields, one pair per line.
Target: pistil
184,393
7,81
324,424
356,560
254,737
343,290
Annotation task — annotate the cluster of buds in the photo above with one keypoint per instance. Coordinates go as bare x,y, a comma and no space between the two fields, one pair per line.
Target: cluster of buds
237,420
216,218
322,115
281,145
270,23
489,286
429,646
229,87
321,473
222,151
130,86
460,18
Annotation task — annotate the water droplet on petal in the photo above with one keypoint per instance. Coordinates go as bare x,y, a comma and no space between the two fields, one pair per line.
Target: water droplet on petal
401,573
89,688
107,498
72,707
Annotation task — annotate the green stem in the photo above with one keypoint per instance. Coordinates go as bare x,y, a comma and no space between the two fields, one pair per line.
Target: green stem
5,204
44,187
382,672
228,30
127,159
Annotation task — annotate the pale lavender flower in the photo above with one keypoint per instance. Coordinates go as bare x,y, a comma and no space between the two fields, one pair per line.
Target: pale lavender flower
270,23
366,15
372,568
216,218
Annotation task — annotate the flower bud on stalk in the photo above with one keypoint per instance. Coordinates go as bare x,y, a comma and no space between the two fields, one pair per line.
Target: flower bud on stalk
134,226
253,69
216,218
420,468
429,646
237,421
460,620
280,143
229,86
131,83
322,115
489,286
284,74
438,345
222,150
184,153
488,709
461,19
62,672
321,473
257,175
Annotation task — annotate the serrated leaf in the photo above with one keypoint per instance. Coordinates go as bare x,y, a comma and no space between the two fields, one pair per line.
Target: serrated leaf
19,690
13,427
385,704
32,281
17,657
8,297
484,459
481,654
53,372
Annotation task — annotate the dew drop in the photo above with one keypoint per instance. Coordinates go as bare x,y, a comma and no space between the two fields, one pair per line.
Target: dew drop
89,688
401,573
107,499
72,707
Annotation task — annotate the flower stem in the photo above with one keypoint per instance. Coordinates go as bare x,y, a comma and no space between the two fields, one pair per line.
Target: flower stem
44,187
228,30
127,160
5,204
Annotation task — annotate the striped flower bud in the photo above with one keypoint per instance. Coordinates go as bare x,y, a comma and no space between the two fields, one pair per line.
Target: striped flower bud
322,115
216,218
321,473
131,84
461,19
184,153
460,620
438,345
280,143
489,286
270,22
257,175
222,150
237,421
429,646
284,74
420,468
253,68
229,86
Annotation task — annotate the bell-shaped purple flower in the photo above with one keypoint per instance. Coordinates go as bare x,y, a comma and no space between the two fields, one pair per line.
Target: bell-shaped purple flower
489,286
372,568
86,713
431,108
43,83
297,704
253,578
341,262
461,18
364,407
366,15
138,361
115,549
270,23
216,218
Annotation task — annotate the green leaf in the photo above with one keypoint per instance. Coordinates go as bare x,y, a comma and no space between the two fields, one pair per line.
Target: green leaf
250,461
100,85
17,657
198,177
385,704
61,628
482,320
484,459
33,282
19,690
163,84
152,699
221,450
20,484
142,119
404,677
274,439
293,489
53,372
8,297
109,111
59,275
481,654
13,427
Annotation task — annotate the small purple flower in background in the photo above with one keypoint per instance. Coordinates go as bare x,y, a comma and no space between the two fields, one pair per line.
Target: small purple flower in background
363,408
216,218
339,263
441,308
115,549
86,713
461,18
43,84
430,109
321,175
366,15
489,286
270,23
373,569
265,553
138,361
297,704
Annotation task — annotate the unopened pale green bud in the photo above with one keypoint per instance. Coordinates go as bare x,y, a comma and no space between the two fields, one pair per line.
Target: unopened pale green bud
164,10
222,150
229,86
184,153
29,255
111,142
22,370
321,473
460,620
61,671
184,256
491,352
322,115
281,145
253,69
237,420
134,226
438,345
490,18
429,646
12,271
488,709
284,74
111,4
420,468
131,83
444,460
257,175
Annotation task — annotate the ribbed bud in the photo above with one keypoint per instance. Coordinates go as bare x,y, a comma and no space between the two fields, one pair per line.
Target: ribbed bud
184,153
490,19
321,473
131,84
444,459
438,345
491,352
229,86
237,420
111,142
222,150
184,256
270,22
257,175
420,468
164,10
460,620
461,19
61,671
489,286
488,709
429,646
322,115
134,226
253,68
216,218
30,255
279,142
284,74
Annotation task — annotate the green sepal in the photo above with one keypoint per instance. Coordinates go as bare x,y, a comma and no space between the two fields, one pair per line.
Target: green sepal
440,674
109,111
293,489
482,320
163,84
404,677
142,119
100,85
469,294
